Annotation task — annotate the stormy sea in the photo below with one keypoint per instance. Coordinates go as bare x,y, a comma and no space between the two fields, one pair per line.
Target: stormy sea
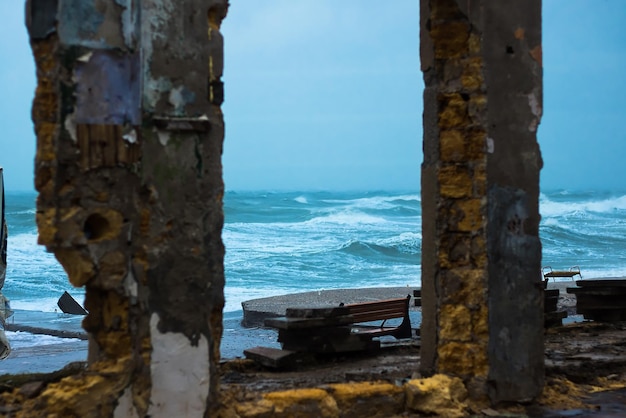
287,242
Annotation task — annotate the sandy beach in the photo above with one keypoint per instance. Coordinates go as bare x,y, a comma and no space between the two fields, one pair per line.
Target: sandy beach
66,341
61,351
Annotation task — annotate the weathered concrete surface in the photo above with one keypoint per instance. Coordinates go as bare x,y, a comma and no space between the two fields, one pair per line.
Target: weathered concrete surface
130,201
585,368
482,310
255,311
513,74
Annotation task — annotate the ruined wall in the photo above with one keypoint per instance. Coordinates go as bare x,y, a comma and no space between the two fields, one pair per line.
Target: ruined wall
129,138
128,170
512,45
482,309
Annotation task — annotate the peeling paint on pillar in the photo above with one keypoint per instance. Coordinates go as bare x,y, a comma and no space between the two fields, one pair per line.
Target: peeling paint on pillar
103,24
479,195
178,387
108,88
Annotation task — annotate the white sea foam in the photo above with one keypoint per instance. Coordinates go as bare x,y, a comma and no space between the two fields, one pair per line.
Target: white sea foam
234,295
19,339
300,245
31,211
350,218
550,208
23,249
405,238
43,304
375,202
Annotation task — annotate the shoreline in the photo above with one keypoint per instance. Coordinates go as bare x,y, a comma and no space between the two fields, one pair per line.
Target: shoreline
71,345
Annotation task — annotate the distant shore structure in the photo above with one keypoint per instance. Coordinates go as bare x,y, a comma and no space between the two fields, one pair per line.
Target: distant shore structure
5,311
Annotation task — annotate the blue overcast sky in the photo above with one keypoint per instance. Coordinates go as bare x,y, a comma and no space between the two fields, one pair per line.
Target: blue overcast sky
326,94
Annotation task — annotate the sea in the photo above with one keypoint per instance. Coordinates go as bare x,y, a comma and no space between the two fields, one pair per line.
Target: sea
289,242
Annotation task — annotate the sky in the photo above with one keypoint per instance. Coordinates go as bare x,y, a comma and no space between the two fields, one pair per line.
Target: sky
327,95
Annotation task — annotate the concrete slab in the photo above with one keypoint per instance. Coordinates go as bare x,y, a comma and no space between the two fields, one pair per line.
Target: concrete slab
255,311
48,323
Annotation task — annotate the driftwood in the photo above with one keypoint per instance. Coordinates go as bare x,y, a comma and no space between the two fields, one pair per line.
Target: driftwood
336,329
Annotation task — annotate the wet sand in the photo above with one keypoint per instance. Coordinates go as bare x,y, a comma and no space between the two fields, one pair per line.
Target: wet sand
47,358
50,357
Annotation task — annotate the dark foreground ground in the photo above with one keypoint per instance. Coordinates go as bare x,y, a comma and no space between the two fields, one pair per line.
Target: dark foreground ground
585,366
585,373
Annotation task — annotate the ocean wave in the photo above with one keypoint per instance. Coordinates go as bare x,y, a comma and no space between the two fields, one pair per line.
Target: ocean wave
406,242
24,251
41,301
23,211
552,208
279,243
395,249
348,218
378,202
253,241
19,339
24,241
235,295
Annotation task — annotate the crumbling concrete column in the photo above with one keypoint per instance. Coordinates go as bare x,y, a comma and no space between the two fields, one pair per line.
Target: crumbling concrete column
482,299
128,169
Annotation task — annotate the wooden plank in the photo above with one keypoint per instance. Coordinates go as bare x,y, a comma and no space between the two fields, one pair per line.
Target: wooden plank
401,331
308,333
606,302
383,310
82,134
372,331
597,290
556,273
604,315
337,344
274,357
317,312
313,343
303,323
96,138
380,308
366,317
104,146
366,305
602,283
324,330
108,144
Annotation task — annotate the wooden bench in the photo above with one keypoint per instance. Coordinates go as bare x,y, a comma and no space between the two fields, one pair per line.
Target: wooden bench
548,273
381,311
343,328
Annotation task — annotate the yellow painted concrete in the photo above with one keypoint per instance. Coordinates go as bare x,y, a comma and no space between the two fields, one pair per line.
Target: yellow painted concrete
440,395
77,264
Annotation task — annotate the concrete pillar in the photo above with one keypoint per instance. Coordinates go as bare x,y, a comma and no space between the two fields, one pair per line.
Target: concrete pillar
128,170
482,300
